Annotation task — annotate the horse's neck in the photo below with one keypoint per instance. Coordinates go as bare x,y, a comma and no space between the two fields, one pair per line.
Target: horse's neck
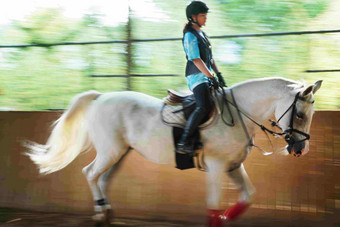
258,99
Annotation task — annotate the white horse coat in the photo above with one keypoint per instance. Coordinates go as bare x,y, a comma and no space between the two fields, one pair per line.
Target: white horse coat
115,122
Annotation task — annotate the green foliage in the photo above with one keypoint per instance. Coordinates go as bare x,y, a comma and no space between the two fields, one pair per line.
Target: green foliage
315,7
47,26
271,14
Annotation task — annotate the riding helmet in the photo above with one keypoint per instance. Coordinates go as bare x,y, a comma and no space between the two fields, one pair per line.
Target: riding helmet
195,7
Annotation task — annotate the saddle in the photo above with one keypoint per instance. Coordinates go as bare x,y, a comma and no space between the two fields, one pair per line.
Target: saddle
178,107
174,98
176,110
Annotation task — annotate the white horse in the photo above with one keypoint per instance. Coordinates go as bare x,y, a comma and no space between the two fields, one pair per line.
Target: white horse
113,123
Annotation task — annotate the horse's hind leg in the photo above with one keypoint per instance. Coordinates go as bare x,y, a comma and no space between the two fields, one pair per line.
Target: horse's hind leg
104,180
109,152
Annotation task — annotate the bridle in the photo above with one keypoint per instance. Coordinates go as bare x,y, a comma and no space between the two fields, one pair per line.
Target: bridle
288,133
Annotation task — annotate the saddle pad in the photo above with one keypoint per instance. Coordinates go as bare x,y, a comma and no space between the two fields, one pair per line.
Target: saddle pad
173,115
176,116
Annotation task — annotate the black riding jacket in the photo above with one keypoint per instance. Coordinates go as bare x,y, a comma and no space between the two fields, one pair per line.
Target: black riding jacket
205,52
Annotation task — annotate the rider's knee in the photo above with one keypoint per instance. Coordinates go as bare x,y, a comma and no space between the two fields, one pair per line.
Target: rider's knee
202,110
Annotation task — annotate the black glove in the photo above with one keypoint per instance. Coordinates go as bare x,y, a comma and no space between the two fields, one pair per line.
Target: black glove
221,80
214,82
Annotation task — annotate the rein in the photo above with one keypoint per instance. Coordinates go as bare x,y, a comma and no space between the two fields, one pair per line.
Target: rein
200,165
264,129
287,133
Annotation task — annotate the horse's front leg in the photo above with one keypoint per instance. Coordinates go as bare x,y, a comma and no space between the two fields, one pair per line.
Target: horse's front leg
241,179
216,169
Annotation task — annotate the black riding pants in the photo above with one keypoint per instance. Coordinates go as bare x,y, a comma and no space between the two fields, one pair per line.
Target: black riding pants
202,97
203,107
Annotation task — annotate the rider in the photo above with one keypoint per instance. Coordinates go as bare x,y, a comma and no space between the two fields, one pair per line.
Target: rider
198,70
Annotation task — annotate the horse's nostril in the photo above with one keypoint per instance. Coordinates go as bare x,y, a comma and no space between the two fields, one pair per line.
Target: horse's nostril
297,155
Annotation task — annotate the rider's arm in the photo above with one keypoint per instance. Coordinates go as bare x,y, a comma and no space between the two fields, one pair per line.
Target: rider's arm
214,66
202,67
218,74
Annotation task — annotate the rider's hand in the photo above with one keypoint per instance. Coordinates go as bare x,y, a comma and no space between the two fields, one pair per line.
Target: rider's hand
221,80
214,82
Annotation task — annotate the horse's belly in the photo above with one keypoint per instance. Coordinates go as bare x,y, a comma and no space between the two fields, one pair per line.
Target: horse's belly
157,149
153,140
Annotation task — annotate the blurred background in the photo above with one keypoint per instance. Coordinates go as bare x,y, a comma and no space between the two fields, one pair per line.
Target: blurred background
53,50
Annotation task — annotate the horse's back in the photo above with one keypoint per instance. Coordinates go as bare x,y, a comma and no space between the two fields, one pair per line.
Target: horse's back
129,97
126,103
135,117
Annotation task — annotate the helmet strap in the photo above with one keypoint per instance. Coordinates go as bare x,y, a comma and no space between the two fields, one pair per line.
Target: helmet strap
195,22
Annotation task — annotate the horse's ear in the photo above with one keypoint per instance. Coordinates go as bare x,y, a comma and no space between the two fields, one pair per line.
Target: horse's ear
312,88
308,90
317,85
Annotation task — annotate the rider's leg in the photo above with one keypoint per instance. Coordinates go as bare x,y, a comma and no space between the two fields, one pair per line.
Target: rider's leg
203,106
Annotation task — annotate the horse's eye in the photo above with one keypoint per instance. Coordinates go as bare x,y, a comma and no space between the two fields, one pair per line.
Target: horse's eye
299,116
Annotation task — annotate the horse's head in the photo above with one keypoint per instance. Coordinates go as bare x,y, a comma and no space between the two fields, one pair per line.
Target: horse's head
297,118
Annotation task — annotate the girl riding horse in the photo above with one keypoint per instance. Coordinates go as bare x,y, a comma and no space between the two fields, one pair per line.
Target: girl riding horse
198,70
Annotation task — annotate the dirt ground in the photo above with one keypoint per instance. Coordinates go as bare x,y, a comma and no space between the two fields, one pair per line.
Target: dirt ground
259,218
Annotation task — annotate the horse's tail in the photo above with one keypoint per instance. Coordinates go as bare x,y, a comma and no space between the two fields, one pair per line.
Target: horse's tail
68,139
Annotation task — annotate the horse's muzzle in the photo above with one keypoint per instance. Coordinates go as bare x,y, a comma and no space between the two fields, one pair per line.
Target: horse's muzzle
298,148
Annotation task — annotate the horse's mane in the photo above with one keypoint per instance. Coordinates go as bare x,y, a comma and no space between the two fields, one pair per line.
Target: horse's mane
290,84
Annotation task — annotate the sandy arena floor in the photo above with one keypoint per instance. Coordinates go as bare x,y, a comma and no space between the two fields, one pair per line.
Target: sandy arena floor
256,217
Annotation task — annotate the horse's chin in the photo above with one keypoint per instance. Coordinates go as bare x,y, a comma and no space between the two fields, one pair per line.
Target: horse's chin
284,151
281,150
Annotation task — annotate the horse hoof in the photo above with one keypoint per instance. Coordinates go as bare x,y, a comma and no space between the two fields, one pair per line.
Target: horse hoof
215,218
100,217
108,216
103,218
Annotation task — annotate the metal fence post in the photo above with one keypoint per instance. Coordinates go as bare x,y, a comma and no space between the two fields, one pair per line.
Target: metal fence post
128,51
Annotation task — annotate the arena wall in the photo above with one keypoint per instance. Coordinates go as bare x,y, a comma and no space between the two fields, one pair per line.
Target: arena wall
310,184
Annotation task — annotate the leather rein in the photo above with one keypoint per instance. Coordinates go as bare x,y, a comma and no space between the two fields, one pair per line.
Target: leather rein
286,133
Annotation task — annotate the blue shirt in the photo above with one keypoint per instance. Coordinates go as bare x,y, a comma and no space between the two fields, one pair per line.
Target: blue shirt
190,44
